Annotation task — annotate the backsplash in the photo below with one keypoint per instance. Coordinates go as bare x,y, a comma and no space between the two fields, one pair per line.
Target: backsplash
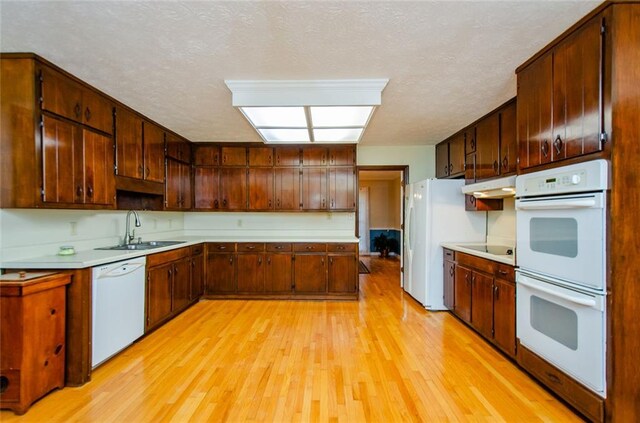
501,225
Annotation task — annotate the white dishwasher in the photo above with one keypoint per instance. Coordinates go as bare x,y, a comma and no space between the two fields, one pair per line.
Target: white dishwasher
118,307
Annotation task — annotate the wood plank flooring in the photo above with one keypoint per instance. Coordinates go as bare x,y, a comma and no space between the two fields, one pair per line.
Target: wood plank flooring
381,359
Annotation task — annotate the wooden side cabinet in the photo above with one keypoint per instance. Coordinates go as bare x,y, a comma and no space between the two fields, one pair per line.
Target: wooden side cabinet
32,355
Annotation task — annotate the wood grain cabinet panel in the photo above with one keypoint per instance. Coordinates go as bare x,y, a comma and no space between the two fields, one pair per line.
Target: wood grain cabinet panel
197,276
261,188
278,273
97,111
233,156
508,140
99,184
314,156
159,281
178,148
251,270
153,152
206,155
310,272
181,290
504,315
178,186
449,284
342,188
488,161
129,158
342,273
456,155
205,188
60,94
287,188
343,155
462,293
287,156
442,160
314,189
233,188
482,303
221,274
260,156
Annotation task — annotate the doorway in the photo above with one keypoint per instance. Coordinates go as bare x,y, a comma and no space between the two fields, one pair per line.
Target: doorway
380,213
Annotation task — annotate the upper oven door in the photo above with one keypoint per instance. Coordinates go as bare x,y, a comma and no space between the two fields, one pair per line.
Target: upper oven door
563,237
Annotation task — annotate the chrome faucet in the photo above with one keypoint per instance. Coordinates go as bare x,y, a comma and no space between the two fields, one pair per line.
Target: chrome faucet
130,236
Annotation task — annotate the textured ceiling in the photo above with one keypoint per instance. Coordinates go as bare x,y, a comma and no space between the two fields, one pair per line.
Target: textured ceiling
449,62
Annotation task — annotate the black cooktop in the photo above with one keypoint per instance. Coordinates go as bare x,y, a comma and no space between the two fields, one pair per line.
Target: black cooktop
499,250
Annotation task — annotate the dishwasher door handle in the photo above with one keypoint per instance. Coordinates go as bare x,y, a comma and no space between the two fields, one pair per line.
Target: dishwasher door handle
122,270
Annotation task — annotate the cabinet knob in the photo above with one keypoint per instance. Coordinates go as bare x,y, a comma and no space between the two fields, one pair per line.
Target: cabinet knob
215,204
231,260
558,144
52,311
505,163
545,148
250,247
87,114
451,271
79,191
259,260
268,260
90,191
496,167
278,247
58,349
77,110
450,168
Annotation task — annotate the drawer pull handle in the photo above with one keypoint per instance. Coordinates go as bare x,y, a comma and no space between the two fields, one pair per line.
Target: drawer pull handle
53,311
222,247
46,363
250,247
58,349
279,247
553,378
309,247
502,272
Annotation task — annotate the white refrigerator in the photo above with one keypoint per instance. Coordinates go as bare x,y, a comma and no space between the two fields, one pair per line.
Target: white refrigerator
435,214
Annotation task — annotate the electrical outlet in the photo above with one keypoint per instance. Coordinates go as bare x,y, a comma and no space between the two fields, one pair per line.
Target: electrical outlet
74,228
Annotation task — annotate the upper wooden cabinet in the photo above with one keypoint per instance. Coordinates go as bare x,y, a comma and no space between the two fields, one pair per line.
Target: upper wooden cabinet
508,139
206,155
153,152
450,157
561,100
342,188
288,156
314,156
343,155
261,156
65,97
178,186
487,161
233,156
178,148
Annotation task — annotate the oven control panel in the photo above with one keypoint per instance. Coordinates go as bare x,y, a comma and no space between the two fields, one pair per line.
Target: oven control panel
581,177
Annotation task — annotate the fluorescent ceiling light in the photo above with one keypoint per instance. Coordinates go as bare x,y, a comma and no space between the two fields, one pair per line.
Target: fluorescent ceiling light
308,111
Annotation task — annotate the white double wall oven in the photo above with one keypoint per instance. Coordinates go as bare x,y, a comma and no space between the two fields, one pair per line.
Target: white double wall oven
561,281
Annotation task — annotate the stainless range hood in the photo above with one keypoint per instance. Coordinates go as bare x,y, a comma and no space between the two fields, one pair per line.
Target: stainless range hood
494,188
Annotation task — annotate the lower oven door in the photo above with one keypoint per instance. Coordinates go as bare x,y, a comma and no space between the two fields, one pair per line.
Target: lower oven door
565,326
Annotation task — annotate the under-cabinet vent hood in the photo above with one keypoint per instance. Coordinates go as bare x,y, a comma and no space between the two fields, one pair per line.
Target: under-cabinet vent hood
494,188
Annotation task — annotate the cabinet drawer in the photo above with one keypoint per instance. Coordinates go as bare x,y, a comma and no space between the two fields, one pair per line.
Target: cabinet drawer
504,271
250,247
197,249
310,247
221,247
476,263
341,247
449,254
278,247
166,257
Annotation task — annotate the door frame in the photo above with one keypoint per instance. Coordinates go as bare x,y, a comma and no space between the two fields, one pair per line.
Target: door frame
405,180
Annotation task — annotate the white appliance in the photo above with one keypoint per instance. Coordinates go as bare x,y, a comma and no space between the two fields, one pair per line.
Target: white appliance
118,307
561,281
435,214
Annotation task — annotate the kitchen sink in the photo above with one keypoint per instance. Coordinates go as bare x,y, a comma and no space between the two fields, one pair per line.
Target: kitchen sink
147,245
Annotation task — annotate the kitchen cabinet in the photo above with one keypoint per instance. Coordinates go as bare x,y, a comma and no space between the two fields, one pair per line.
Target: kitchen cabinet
314,156
508,139
178,186
342,272
482,303
77,165
206,155
251,267
260,180
205,188
449,279
233,188
314,188
153,152
233,156
278,278
504,311
343,155
472,203
488,160
177,148
260,156
561,115
342,188
462,293
168,285
287,188
450,157
65,97
310,272
33,342
197,272
287,156
220,269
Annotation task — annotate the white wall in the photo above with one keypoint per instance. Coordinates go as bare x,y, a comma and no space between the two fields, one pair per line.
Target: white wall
501,225
421,159
384,203
28,233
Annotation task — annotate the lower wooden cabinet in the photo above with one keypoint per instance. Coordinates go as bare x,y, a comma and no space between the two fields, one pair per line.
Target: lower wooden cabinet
482,303
282,270
197,272
463,293
504,315
449,280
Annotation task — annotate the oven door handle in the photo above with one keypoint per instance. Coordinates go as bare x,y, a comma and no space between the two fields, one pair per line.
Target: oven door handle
580,301
581,203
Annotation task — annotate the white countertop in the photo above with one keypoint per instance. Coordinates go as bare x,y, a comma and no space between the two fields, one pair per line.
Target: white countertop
463,248
91,258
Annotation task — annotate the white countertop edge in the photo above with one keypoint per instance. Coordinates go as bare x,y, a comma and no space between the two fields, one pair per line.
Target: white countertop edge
91,258
511,261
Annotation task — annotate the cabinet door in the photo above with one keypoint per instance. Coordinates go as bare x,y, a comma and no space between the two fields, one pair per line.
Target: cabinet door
206,155
482,302
456,155
487,147
159,293
233,156
449,284
470,168
61,95
99,182
260,156
342,274
342,188
534,112
62,162
287,188
576,92
97,111
261,188
504,315
251,273
343,155
310,272
470,140
197,277
278,273
178,148
153,152
205,187
314,189
287,156
185,186
181,284
173,189
314,156
462,295
442,159
508,140
129,144
221,274
233,188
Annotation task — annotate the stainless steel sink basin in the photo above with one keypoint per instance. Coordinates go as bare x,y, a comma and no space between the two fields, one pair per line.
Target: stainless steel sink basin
148,245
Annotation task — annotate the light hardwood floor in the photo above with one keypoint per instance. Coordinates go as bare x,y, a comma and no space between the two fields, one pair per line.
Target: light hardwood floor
382,359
